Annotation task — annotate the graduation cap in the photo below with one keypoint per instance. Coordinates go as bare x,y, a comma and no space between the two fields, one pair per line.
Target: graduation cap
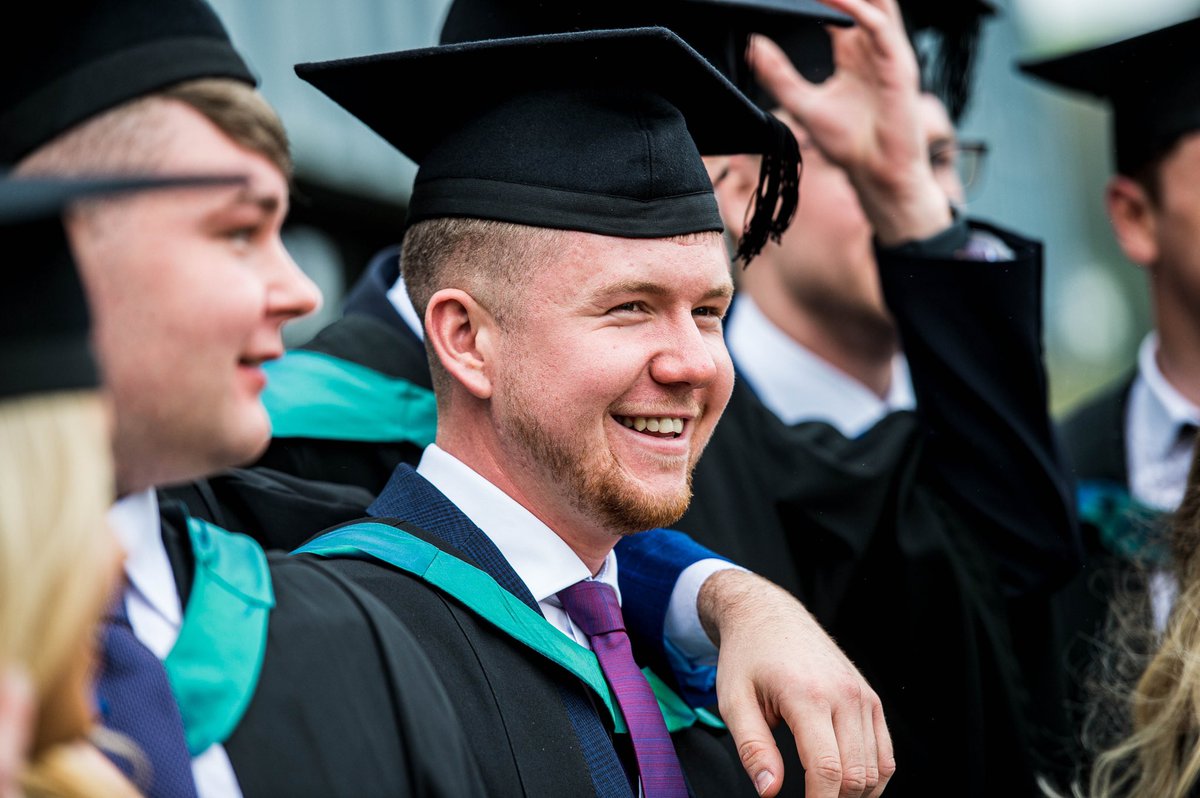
597,131
948,67
718,29
69,60
43,311
1152,82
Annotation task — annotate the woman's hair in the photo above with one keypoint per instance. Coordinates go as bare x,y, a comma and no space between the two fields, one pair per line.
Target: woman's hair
58,563
1159,755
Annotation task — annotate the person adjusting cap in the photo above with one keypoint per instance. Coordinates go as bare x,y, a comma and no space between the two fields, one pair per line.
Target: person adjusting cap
1152,82
44,318
75,59
595,131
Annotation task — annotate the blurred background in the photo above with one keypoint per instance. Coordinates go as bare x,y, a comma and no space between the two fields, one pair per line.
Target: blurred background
1044,174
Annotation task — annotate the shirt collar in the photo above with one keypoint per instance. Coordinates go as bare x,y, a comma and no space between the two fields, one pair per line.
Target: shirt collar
137,525
543,560
398,296
797,385
1165,410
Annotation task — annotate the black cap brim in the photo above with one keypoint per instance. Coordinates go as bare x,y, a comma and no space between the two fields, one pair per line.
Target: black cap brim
43,311
1152,82
443,87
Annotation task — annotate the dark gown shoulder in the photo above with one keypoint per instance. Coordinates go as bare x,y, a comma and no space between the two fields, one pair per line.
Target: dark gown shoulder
277,509
346,703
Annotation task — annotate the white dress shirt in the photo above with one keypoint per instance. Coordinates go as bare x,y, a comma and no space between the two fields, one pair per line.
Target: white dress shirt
797,385
1158,456
156,616
546,564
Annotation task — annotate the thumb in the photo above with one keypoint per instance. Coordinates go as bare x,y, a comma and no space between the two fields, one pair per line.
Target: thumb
755,744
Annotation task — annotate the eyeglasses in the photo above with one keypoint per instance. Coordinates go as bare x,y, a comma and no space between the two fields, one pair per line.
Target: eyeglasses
963,159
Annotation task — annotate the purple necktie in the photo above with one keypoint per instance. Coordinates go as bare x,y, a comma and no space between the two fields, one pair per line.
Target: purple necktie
593,607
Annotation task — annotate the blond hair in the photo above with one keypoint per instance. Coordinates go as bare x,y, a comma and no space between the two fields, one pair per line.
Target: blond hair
1159,756
57,567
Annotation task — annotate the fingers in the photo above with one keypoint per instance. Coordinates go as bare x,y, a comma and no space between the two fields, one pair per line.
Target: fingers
851,736
841,737
817,745
870,748
16,718
775,73
883,741
755,743
878,20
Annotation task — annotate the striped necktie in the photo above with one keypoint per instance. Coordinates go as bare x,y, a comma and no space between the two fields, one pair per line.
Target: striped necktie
593,607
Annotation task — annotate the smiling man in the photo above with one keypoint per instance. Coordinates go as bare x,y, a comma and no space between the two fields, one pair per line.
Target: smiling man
565,248
564,253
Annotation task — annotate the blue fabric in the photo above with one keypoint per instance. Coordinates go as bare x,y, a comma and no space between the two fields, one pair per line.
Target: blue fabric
136,701
368,296
650,565
410,497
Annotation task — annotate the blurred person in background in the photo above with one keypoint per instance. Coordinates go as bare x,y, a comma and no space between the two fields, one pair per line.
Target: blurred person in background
59,563
234,672
1131,445
881,519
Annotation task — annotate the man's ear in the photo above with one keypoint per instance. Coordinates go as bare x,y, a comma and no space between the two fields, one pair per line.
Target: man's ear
1134,218
735,178
461,332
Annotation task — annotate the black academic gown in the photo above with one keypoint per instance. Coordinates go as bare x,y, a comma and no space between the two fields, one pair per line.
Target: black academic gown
513,701
928,546
346,703
1094,438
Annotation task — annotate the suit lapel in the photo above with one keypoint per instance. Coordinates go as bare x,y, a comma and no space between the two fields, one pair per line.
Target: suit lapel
409,497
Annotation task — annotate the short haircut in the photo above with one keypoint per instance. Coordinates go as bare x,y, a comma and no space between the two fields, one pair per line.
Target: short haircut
489,260
123,139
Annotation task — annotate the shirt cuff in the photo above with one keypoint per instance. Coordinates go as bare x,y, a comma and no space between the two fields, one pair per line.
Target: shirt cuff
682,629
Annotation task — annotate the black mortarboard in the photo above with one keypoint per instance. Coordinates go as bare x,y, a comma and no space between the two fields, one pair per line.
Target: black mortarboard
599,131
43,312
949,68
717,29
1152,82
68,61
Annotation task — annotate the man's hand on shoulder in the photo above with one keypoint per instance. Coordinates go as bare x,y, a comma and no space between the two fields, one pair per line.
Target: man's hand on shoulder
777,663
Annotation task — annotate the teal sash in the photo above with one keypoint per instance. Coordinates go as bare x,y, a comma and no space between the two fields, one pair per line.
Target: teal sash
1127,527
484,596
313,395
216,661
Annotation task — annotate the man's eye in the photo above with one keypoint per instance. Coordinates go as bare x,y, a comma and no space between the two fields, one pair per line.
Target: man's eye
242,235
709,312
627,307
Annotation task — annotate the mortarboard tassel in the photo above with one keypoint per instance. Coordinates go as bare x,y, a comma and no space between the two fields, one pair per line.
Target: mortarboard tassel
777,195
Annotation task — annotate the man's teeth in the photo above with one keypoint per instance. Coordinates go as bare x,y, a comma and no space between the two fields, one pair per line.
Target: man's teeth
642,423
